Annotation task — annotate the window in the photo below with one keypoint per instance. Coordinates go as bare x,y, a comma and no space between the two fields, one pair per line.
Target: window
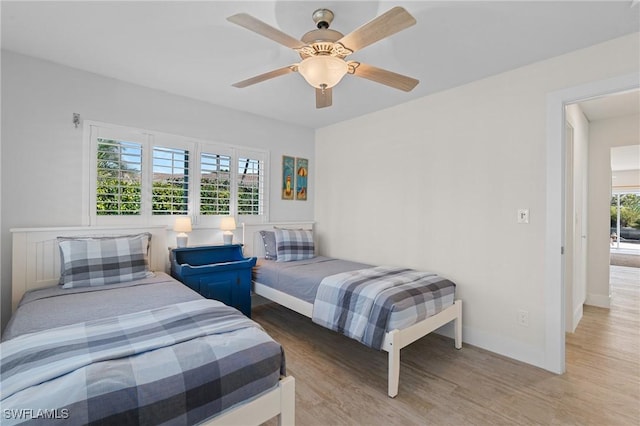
249,187
138,176
170,188
215,184
118,177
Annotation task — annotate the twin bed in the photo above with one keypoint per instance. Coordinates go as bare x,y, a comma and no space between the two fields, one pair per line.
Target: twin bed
143,351
404,306
150,350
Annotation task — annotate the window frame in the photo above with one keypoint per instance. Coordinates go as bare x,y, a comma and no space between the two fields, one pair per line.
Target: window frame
149,140
213,150
263,182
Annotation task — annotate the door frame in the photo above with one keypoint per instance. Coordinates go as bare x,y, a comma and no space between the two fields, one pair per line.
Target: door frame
569,275
554,286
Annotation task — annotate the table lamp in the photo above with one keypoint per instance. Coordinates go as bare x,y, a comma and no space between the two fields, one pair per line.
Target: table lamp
182,225
227,224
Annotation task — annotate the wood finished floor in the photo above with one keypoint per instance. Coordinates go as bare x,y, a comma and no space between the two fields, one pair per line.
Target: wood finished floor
341,382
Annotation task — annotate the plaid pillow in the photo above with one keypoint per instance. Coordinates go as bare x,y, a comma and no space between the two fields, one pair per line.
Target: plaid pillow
269,240
294,244
88,262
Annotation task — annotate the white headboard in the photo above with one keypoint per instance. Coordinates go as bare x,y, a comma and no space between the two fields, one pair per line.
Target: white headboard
253,245
36,257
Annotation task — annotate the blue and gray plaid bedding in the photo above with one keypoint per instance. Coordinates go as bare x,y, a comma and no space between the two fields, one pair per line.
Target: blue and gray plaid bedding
178,364
87,262
366,303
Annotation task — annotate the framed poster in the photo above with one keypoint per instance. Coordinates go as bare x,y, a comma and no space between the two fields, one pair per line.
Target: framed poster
302,170
288,177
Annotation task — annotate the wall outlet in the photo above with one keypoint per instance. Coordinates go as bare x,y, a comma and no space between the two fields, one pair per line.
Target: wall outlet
523,318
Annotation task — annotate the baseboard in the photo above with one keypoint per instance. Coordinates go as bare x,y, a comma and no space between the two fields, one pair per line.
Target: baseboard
598,300
577,316
518,351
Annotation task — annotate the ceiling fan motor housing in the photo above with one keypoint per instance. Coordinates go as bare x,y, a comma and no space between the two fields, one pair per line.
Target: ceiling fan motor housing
322,40
323,34
322,18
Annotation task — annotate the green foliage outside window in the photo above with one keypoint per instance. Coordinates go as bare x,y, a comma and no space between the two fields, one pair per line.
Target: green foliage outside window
169,197
119,188
118,197
214,197
629,211
248,200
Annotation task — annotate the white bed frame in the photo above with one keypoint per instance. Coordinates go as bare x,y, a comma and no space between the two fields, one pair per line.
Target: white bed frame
36,264
394,340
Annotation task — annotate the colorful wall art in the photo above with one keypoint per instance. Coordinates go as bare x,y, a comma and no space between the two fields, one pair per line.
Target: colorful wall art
302,170
288,177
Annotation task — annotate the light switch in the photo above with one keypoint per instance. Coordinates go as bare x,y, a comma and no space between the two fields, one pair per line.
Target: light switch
523,215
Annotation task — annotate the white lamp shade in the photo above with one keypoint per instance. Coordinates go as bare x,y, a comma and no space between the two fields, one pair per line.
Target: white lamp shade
228,223
182,224
323,70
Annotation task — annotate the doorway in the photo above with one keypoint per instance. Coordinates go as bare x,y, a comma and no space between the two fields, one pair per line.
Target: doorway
576,209
599,163
554,286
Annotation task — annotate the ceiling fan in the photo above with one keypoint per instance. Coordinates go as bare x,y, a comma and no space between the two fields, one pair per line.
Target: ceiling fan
323,51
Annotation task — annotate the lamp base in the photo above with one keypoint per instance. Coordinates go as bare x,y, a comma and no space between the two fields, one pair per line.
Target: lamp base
181,240
227,238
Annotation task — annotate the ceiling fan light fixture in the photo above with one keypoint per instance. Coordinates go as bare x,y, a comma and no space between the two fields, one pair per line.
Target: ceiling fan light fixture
323,51
324,71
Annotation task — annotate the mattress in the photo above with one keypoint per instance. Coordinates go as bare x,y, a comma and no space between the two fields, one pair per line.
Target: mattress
301,278
358,300
54,306
204,358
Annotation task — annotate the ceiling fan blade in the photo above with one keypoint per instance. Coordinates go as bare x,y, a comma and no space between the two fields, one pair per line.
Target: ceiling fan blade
389,23
266,76
249,22
388,78
324,98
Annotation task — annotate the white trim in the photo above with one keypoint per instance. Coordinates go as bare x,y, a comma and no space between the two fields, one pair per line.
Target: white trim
86,174
597,300
151,139
529,353
577,316
554,232
280,400
263,158
36,257
293,303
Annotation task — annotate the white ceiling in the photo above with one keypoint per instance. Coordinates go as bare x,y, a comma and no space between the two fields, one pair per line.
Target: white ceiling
616,105
188,48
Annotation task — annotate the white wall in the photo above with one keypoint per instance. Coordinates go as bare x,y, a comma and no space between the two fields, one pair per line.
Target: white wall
604,134
450,171
42,151
576,280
